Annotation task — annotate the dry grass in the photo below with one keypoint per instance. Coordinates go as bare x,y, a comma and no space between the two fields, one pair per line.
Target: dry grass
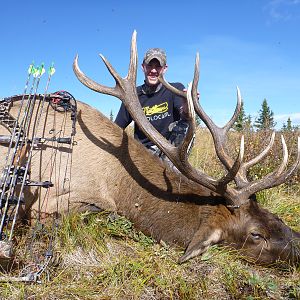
120,263
98,256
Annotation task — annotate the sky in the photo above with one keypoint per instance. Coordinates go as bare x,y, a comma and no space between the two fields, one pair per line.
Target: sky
252,44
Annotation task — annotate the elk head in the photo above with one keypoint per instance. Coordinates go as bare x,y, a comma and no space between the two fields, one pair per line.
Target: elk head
241,223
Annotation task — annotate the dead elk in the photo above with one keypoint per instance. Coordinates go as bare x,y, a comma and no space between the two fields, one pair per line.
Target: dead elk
212,212
112,171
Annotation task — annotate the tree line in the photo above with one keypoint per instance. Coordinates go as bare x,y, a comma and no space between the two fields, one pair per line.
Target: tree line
264,120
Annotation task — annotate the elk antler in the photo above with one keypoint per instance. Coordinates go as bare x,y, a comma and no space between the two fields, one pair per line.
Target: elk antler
125,90
244,188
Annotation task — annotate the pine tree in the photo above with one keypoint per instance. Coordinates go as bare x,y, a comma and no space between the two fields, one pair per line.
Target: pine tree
265,119
240,123
283,128
111,116
289,126
248,123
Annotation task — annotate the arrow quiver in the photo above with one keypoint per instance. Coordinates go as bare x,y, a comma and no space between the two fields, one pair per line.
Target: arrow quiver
30,129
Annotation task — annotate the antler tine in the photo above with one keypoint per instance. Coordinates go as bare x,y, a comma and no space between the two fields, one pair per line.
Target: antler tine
241,178
170,87
234,170
112,71
91,84
133,59
121,86
215,131
285,157
221,183
205,118
218,134
183,147
275,178
196,80
236,111
294,167
263,154
198,108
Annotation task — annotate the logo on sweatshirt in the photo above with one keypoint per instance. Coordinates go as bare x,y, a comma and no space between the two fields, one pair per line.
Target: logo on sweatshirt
157,111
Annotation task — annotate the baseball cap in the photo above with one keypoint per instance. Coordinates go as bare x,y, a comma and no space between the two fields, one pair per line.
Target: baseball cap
157,53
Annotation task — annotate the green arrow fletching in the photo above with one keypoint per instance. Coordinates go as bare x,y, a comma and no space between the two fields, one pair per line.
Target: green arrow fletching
31,69
41,70
35,72
51,70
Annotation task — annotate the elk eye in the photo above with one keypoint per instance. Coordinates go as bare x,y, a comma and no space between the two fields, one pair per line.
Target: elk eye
256,236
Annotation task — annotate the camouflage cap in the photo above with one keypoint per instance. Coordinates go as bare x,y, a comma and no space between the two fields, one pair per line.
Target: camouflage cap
157,53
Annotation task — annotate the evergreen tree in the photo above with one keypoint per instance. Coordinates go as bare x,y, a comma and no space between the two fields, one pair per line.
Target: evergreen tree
265,119
296,128
289,126
283,128
248,123
111,116
240,123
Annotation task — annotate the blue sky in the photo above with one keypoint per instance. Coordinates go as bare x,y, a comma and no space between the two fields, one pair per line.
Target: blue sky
253,44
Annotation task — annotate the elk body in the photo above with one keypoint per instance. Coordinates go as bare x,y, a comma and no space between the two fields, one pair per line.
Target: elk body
112,171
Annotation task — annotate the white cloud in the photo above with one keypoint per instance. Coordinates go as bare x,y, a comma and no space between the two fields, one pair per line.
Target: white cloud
283,10
295,118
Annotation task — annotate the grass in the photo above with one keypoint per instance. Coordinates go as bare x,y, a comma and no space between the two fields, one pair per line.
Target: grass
108,259
102,256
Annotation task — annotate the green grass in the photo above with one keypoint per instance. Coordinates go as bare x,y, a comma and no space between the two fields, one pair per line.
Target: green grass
102,256
108,259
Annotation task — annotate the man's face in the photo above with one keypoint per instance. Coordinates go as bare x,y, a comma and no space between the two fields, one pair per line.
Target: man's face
152,71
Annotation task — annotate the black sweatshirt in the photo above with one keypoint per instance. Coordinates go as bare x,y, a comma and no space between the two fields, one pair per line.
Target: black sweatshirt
161,108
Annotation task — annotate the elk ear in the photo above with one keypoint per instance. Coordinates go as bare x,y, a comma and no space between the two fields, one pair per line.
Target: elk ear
200,242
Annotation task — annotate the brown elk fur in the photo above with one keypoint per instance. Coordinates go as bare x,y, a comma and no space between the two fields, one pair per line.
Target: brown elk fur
112,171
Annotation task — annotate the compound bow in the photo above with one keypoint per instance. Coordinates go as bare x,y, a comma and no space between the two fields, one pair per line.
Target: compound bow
23,138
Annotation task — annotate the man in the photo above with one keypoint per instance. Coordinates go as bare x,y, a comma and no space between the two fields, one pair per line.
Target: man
161,107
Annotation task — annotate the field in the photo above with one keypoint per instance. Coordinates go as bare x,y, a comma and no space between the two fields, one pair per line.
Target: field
102,256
